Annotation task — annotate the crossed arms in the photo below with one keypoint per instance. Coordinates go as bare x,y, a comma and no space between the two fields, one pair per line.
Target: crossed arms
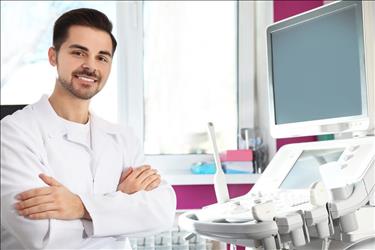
58,202
142,204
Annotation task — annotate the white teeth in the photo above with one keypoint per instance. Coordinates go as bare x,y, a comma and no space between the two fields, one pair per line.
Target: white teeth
86,79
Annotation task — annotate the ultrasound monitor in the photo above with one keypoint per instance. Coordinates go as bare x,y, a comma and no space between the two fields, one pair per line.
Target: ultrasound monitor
321,71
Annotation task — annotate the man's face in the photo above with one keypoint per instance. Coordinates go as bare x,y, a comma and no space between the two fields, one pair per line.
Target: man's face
83,61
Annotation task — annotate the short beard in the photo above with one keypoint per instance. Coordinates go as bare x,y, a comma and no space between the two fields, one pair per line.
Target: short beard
68,85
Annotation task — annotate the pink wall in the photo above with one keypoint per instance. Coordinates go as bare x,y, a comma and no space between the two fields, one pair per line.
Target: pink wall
286,8
198,196
284,141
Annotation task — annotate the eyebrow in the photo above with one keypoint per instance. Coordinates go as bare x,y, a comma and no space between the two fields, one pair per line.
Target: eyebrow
77,46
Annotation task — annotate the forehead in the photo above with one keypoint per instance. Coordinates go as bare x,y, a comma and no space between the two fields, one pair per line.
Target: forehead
93,39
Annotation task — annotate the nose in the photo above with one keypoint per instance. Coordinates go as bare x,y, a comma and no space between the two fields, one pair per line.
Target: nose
89,63
86,66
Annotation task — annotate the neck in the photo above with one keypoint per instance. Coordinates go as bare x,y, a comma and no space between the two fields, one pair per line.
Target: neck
68,106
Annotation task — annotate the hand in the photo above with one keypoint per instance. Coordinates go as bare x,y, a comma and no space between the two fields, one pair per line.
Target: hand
53,202
141,178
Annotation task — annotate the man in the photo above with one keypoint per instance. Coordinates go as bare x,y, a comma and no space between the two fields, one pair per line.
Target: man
68,178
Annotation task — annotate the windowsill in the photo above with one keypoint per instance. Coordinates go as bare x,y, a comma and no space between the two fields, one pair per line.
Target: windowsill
185,177
175,169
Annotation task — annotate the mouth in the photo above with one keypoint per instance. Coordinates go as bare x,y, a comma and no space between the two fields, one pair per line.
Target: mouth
87,79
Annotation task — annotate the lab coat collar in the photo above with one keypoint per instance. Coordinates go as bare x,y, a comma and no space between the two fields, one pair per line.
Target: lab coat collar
56,126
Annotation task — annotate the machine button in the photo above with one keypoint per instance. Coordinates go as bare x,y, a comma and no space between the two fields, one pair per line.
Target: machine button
346,157
352,148
344,165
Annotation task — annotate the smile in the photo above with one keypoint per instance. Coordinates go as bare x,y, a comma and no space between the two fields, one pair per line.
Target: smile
86,78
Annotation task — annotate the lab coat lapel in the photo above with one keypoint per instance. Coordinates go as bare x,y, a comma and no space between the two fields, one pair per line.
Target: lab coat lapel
76,138
53,124
58,128
99,132
95,143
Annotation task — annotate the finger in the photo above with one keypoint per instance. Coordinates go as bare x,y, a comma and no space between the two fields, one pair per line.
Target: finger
33,202
146,174
33,193
149,180
49,180
139,170
38,209
153,185
54,214
125,174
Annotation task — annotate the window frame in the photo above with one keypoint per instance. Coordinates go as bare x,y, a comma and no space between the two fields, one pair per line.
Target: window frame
130,76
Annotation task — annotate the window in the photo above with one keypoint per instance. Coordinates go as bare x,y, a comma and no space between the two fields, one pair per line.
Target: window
26,73
190,75
187,63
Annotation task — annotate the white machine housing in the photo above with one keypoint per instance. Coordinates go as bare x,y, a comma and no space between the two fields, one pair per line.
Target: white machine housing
357,153
293,213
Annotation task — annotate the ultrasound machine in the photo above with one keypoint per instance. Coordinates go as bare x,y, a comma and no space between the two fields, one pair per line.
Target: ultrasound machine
314,195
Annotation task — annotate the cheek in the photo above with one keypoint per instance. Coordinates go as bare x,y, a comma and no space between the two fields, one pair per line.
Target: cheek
105,70
68,66
64,72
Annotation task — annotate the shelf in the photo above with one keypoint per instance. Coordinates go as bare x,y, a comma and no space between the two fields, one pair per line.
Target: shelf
185,177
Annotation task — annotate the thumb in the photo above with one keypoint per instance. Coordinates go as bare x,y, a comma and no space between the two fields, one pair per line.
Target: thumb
49,180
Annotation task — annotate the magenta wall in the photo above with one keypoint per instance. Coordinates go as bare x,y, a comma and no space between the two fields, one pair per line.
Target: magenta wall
284,141
197,196
286,8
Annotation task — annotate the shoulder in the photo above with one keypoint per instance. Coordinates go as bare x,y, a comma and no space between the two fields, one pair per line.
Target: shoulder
22,127
29,116
30,123
22,118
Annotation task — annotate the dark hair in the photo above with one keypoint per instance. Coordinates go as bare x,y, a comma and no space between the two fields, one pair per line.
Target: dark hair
84,17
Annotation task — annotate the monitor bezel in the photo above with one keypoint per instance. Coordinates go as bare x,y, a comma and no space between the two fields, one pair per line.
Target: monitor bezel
365,121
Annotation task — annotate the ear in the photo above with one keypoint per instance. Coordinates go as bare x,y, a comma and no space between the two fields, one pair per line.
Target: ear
52,56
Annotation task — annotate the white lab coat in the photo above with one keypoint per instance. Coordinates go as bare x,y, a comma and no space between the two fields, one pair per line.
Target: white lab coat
35,140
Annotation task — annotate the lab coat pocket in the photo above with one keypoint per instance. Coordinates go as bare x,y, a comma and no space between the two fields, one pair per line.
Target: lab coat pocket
64,234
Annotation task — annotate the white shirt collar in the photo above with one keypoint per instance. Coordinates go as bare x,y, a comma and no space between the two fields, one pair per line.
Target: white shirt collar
45,111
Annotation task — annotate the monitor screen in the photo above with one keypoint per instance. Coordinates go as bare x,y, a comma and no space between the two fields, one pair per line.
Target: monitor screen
317,70
322,66
305,170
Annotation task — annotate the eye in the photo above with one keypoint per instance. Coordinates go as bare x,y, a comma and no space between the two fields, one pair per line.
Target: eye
103,59
78,53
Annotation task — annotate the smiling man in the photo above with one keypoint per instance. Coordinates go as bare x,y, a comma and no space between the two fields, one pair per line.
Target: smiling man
68,178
